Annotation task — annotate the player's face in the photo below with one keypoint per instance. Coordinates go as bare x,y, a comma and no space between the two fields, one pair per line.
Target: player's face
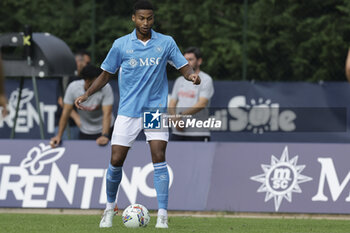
80,63
193,61
144,20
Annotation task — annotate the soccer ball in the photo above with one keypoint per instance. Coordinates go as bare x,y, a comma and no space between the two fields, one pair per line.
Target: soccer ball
135,215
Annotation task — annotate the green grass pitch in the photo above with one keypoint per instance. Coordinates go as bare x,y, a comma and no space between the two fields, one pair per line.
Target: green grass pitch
41,223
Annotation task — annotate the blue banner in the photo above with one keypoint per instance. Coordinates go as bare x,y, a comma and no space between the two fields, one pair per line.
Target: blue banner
28,117
282,112
204,176
249,111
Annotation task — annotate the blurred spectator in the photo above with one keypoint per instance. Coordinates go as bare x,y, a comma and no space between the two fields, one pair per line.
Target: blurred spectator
347,66
189,99
96,123
3,99
82,59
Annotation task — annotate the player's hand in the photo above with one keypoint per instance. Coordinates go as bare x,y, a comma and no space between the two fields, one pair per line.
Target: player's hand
4,112
80,100
3,103
195,79
55,141
102,140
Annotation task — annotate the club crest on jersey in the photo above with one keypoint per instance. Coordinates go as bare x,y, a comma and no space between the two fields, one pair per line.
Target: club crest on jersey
159,49
133,62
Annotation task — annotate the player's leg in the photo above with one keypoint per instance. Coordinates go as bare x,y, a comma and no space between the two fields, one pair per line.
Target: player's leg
113,179
114,173
125,132
161,180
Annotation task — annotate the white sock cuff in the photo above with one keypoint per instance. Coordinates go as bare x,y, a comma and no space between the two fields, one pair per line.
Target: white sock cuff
163,212
160,165
110,205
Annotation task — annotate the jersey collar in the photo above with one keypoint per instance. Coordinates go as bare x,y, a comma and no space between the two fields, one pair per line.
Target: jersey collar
153,35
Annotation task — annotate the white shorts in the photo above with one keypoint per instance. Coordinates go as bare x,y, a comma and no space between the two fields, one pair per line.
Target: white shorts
126,129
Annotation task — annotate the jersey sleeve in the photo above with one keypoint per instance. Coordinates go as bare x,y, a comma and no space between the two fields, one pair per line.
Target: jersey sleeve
176,58
207,89
113,59
69,95
108,97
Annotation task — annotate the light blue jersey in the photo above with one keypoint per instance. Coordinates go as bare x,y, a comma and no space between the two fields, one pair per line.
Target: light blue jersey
142,71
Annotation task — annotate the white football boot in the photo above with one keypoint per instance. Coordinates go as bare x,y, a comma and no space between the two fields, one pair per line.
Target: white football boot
107,217
162,221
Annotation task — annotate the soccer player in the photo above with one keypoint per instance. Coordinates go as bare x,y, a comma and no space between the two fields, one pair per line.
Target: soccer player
141,58
187,99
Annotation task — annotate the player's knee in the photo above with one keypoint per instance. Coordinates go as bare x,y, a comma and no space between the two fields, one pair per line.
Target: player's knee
116,162
158,156
118,155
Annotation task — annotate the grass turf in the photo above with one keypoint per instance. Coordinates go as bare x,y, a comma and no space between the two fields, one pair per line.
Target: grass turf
41,223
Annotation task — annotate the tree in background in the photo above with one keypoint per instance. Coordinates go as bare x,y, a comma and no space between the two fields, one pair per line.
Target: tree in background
290,40
215,26
298,40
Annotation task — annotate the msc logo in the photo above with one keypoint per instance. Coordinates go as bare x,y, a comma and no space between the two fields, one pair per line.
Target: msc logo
148,61
152,120
281,178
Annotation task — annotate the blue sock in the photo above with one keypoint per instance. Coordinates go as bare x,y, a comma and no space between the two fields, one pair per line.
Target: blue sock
114,176
161,183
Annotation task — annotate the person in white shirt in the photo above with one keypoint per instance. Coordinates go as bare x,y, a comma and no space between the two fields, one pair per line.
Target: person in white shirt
97,119
189,99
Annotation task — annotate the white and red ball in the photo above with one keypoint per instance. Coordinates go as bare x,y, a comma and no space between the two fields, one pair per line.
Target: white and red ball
136,215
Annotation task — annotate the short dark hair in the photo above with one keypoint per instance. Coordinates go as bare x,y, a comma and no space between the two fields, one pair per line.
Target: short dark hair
142,5
90,72
196,51
82,53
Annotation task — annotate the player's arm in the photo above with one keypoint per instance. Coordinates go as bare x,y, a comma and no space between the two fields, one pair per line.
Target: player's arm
67,109
347,66
99,82
190,75
106,124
